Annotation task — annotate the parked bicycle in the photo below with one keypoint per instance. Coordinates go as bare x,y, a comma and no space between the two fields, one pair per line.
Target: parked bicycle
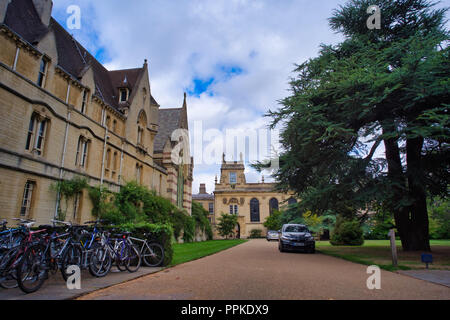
152,253
13,252
120,250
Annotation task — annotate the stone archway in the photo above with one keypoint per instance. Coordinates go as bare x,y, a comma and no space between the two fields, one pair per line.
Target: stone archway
237,231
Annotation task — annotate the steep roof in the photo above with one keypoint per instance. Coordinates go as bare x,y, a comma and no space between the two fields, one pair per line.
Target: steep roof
23,19
203,196
169,121
73,58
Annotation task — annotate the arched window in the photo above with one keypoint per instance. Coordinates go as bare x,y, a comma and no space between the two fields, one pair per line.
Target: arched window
254,210
141,124
292,201
273,205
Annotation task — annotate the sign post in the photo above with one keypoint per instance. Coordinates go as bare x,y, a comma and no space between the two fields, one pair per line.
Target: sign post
393,247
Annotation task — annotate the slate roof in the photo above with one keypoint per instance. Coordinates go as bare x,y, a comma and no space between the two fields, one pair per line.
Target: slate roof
169,121
203,196
23,19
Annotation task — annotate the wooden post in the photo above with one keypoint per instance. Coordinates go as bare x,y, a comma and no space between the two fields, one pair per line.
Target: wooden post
393,248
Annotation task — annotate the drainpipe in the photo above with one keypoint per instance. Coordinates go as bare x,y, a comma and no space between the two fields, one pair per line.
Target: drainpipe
121,165
104,156
63,156
68,93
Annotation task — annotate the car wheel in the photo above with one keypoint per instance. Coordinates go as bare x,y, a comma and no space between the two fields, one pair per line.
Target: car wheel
280,248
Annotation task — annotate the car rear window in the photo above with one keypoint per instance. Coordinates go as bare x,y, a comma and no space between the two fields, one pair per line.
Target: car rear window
296,229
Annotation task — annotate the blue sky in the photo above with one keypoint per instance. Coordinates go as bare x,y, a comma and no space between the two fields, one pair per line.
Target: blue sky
234,58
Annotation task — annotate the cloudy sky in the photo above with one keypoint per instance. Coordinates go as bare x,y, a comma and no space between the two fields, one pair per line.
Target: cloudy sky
234,58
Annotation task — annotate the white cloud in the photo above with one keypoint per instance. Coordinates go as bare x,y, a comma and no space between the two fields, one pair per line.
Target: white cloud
185,40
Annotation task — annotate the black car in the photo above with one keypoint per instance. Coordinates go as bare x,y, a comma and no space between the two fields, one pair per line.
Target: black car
296,237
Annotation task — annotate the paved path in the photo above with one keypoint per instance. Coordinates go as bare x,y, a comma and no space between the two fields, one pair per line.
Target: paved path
436,276
256,270
55,288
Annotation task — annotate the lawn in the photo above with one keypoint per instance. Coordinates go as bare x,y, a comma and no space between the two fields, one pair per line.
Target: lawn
185,252
378,252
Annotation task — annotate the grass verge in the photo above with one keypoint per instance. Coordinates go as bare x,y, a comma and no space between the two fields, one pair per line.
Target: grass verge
378,252
185,252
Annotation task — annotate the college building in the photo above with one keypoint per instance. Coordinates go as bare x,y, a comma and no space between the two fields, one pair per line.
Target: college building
64,115
253,203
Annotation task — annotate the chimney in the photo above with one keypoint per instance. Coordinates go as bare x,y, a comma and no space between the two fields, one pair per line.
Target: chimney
202,188
3,9
44,10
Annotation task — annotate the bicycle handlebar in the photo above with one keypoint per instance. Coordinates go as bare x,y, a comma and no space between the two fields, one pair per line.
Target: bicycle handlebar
62,222
23,220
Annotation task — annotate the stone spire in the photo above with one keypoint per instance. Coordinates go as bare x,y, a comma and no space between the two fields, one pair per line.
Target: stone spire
184,102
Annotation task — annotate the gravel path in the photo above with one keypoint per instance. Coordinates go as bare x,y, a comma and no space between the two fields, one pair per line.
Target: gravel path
256,270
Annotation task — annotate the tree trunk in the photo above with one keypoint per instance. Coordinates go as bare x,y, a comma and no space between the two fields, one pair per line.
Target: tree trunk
397,181
419,238
411,221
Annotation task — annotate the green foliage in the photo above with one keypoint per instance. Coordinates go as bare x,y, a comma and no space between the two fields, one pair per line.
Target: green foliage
137,204
189,229
201,219
99,198
439,211
256,234
347,233
377,226
160,233
68,189
387,86
273,222
227,224
313,221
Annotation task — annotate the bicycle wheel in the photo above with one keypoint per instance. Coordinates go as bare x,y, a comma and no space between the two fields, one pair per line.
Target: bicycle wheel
133,261
120,255
8,277
100,262
32,271
72,256
153,255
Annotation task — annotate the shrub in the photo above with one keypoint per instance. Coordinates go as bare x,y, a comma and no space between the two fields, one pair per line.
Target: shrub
189,229
255,234
347,232
68,189
439,216
273,222
201,219
226,225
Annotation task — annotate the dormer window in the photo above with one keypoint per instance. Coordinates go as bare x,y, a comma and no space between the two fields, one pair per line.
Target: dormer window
123,97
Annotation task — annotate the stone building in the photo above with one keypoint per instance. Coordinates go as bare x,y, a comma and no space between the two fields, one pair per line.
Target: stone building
206,200
64,115
251,202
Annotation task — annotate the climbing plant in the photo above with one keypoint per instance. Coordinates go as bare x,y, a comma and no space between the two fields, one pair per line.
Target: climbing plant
67,190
